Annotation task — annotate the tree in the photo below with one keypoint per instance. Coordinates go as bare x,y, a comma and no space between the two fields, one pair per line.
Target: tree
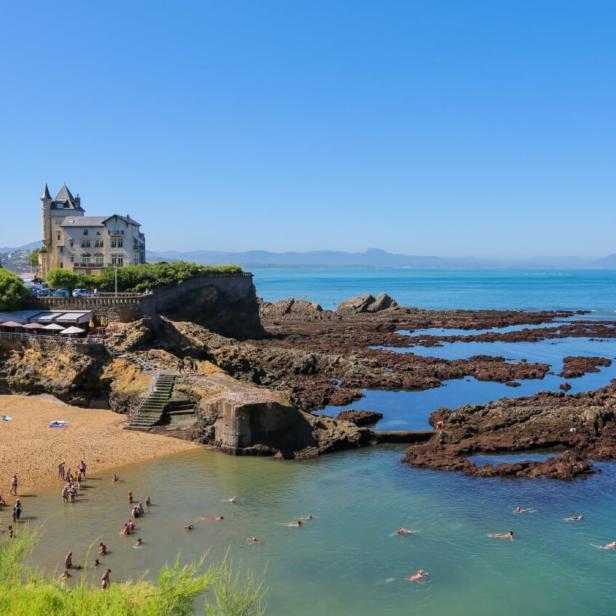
65,279
33,257
13,292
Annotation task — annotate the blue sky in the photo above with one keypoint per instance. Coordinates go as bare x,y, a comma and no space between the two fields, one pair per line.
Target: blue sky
452,128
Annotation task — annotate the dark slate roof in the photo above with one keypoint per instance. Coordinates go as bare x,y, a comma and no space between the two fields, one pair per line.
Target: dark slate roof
94,221
84,221
64,194
46,194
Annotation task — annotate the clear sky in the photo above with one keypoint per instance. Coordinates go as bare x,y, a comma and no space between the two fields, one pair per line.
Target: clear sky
448,128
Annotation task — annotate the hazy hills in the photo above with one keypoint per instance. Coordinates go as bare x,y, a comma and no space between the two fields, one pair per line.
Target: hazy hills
375,258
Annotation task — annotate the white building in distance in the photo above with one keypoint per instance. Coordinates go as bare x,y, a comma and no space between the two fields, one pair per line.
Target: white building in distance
74,241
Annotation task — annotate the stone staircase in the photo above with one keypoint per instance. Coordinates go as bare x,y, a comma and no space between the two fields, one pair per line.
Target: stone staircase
151,410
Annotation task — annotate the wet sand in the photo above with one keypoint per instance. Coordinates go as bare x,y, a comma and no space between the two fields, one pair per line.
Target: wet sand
31,449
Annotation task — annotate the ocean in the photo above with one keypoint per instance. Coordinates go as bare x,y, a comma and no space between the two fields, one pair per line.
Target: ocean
347,561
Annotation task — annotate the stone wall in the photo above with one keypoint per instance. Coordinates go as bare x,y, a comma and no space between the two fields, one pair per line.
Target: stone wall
226,304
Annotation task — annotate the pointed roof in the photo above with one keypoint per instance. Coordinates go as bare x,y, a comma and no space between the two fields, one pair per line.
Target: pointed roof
64,195
46,194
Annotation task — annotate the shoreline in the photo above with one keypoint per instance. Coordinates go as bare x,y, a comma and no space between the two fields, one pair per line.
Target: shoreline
32,450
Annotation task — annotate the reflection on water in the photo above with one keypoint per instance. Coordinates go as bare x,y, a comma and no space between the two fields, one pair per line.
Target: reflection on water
346,561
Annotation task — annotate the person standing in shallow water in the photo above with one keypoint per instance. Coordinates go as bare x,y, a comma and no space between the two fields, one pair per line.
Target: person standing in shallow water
105,579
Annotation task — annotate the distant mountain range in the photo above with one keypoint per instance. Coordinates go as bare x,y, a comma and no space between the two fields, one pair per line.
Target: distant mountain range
374,258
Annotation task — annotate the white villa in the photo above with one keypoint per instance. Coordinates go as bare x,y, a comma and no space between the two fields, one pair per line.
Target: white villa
74,241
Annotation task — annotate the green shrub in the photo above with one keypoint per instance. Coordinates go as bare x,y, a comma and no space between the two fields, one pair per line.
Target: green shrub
13,292
24,592
68,279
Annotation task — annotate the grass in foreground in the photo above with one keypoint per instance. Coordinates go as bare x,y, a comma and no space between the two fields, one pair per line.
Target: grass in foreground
26,592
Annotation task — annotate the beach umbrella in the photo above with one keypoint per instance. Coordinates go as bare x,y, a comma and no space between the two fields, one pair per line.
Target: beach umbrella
33,326
10,324
53,327
72,330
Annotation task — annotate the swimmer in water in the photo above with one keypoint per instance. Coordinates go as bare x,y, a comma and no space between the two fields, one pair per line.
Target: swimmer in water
148,502
573,518
68,561
65,575
188,526
96,563
231,499
522,510
252,540
296,524
115,478
102,549
217,518
307,518
609,546
403,532
138,544
419,576
508,536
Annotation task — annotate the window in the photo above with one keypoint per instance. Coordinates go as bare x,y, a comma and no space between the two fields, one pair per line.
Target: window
71,243
99,260
85,261
117,242
85,243
58,236
117,260
98,243
85,232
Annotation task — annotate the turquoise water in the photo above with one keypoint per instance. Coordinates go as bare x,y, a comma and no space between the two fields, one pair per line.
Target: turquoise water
442,289
346,562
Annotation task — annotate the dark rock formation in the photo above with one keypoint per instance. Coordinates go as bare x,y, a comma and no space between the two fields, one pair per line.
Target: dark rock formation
574,367
584,424
359,418
366,303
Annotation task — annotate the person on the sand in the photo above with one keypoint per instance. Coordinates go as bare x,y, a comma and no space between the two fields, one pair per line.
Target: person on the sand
14,483
82,468
419,576
105,581
508,536
61,470
3,503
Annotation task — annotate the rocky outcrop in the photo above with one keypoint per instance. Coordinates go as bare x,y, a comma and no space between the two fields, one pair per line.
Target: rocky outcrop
72,374
366,304
291,309
583,424
359,418
574,367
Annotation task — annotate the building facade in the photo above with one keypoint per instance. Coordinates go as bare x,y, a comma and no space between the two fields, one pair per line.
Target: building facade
72,240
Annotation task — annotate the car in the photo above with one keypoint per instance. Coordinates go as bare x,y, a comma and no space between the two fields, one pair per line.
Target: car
42,292
81,293
61,293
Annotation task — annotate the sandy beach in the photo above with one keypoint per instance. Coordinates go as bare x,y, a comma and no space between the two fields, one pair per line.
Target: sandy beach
31,449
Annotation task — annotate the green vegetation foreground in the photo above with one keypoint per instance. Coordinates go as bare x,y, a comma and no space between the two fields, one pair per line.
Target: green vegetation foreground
25,592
